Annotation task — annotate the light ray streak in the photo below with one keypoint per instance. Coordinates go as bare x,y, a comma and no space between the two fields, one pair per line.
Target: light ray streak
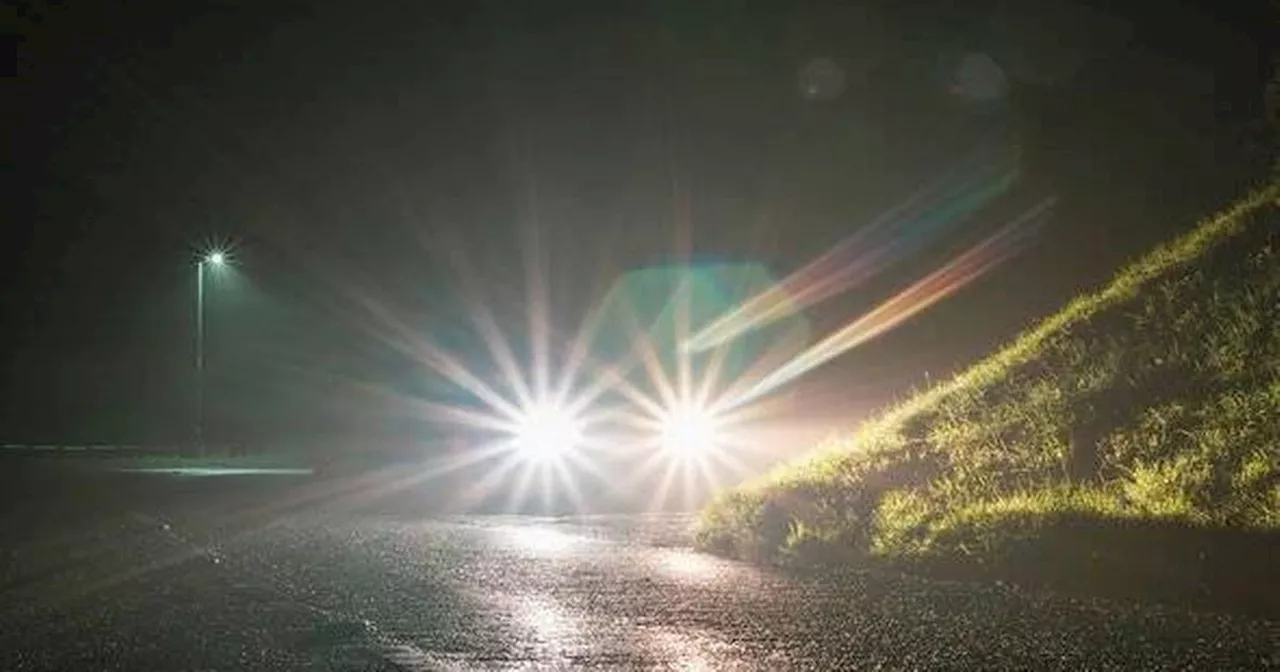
538,303
684,363
710,376
486,324
778,354
579,357
450,413
810,284
530,472
652,363
421,349
566,478
478,490
946,202
368,488
938,285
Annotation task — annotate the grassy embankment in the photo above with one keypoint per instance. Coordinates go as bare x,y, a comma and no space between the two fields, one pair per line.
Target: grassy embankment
1128,445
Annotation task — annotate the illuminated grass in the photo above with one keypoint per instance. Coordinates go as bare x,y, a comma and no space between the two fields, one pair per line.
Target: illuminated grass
1152,402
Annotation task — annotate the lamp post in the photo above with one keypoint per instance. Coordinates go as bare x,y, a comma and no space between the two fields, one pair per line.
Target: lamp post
215,259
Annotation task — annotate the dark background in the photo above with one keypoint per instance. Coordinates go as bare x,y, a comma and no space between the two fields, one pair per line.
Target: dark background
353,153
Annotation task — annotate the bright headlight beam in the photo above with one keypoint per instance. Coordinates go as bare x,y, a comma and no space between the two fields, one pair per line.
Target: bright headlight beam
547,430
689,429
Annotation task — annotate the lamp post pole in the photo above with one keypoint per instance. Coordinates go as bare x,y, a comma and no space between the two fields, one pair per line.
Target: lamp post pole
210,259
200,356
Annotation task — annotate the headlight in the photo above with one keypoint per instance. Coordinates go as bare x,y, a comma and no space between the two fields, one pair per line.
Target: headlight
547,430
689,430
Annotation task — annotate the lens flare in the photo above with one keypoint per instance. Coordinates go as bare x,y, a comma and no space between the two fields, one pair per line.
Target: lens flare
938,285
902,230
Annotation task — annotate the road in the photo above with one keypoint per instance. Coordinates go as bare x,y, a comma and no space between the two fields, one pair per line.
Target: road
177,579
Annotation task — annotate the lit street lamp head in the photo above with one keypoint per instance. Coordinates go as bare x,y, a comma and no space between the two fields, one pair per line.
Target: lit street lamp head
216,258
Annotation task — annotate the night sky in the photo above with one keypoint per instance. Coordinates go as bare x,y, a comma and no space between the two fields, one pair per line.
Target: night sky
400,153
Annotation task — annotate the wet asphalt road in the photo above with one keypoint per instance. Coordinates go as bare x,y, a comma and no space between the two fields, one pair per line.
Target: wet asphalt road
158,583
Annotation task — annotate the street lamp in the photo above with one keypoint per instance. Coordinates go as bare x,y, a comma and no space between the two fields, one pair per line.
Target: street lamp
216,258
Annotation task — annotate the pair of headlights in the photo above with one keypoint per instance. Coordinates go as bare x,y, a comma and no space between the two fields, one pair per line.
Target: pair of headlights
548,430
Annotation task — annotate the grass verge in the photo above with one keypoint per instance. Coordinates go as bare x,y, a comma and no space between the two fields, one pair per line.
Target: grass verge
1129,444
